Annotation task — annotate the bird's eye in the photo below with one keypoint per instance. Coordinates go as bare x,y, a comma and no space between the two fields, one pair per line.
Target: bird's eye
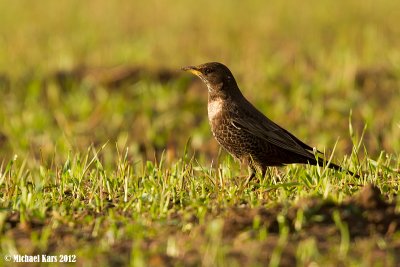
207,71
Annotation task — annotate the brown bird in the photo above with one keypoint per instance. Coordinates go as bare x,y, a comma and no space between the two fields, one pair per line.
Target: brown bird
246,133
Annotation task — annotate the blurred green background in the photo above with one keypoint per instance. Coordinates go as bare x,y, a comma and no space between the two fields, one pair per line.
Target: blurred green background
76,73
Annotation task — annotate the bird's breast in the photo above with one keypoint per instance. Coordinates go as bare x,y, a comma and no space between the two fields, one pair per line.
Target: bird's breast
215,109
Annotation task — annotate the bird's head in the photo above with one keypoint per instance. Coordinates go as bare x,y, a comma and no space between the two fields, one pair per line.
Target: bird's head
216,76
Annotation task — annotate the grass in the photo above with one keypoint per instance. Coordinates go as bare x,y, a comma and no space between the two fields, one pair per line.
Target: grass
139,214
106,152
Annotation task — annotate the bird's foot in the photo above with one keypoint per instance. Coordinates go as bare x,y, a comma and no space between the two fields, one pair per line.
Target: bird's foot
249,178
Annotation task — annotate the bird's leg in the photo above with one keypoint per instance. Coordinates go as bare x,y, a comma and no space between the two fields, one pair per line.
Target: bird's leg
277,174
247,160
264,172
252,174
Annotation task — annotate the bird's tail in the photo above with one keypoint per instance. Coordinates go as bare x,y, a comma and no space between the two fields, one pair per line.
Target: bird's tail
331,165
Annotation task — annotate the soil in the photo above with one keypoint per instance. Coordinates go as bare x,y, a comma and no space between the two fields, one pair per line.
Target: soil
369,220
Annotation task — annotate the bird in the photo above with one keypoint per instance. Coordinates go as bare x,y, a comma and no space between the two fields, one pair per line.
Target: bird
245,132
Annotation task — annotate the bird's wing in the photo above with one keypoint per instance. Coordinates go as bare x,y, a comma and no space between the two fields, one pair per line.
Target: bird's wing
271,132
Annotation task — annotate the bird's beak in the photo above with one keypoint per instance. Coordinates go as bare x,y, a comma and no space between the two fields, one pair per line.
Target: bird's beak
193,70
